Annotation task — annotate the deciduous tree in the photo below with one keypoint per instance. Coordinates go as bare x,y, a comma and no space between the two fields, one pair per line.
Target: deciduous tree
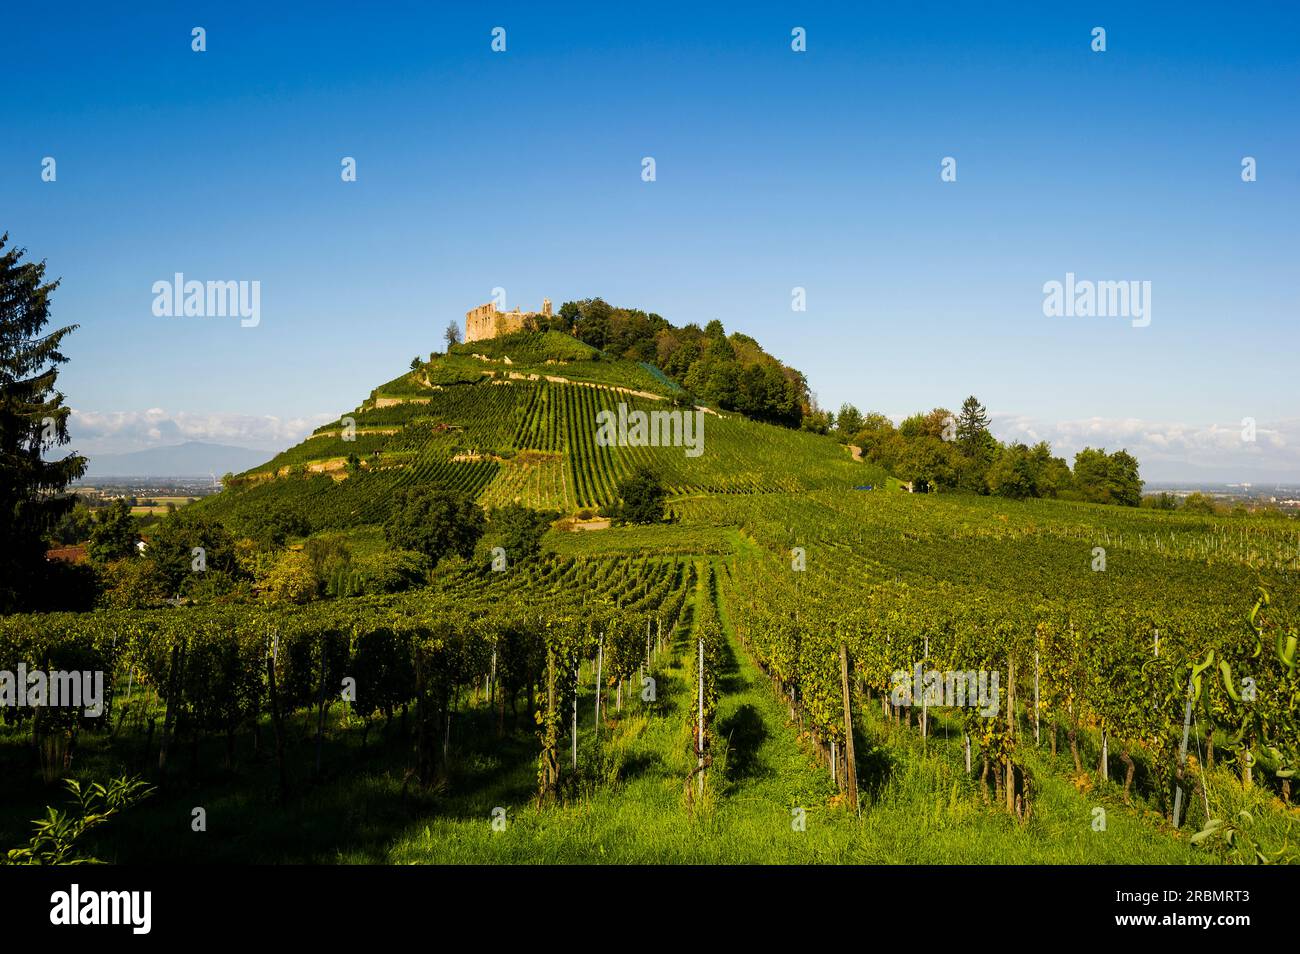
114,535
643,498
435,521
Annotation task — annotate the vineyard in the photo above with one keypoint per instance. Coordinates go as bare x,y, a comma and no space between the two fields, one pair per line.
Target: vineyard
755,618
803,665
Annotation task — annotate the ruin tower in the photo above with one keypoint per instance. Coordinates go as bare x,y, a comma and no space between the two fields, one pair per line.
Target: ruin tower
480,322
486,321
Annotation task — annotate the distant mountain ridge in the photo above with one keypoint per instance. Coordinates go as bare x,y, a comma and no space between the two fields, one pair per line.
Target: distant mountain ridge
190,459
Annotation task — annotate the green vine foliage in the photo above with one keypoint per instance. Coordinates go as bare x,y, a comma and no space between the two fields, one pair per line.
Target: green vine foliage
1091,642
56,838
208,665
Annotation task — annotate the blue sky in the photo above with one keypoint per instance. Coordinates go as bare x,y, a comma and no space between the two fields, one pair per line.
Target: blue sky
775,169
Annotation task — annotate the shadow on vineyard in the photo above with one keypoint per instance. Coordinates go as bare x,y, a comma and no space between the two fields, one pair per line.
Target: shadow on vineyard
875,766
743,732
361,801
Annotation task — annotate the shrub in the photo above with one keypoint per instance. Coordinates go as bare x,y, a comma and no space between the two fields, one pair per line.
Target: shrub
133,583
172,547
390,572
291,579
329,555
519,530
114,534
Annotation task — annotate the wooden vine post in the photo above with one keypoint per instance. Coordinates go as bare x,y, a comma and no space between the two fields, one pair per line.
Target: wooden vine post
600,665
850,762
1182,751
1011,731
699,743
1036,735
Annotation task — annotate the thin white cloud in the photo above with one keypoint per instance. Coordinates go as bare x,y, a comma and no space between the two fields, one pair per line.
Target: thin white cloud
124,431
1172,451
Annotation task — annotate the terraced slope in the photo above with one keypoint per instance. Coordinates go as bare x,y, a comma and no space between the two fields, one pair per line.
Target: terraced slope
525,429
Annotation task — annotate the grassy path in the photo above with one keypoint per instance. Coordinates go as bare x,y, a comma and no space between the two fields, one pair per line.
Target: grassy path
640,813
918,808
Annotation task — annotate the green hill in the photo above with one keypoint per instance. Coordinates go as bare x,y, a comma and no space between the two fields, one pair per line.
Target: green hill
516,419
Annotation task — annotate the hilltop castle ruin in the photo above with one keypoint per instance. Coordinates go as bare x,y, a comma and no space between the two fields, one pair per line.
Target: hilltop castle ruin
486,321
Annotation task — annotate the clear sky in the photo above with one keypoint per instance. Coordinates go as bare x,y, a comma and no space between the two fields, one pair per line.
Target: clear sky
774,169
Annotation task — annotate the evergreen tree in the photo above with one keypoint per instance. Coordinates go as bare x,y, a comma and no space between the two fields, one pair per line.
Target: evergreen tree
972,426
977,446
33,421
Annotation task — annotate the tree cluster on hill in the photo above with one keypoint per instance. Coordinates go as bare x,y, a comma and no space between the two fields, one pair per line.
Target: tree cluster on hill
729,371
942,451
188,557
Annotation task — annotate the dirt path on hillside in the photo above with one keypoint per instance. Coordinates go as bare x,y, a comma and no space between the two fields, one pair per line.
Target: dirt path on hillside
531,377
